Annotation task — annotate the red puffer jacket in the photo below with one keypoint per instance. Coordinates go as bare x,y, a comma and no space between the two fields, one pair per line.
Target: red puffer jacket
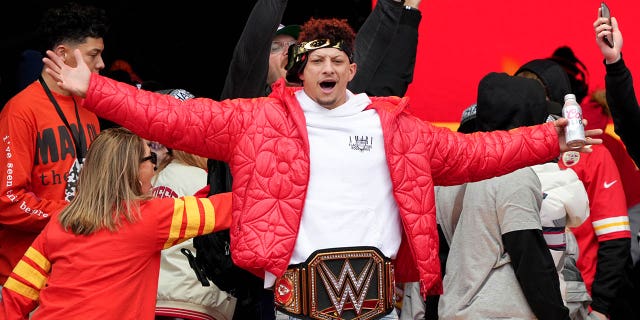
265,142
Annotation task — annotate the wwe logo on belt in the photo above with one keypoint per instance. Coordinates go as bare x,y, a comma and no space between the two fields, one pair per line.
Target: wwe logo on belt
355,289
353,283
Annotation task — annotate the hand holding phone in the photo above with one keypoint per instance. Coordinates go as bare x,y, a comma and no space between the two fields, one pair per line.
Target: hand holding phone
605,13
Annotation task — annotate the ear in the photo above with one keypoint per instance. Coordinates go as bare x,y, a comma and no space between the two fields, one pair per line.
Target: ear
352,70
62,52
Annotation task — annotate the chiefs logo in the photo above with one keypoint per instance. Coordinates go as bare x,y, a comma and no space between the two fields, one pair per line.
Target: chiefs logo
284,291
570,158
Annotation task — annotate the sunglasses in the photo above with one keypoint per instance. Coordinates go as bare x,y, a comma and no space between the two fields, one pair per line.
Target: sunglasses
279,46
153,157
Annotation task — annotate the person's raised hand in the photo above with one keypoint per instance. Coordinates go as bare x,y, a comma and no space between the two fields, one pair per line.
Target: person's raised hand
563,122
73,79
603,29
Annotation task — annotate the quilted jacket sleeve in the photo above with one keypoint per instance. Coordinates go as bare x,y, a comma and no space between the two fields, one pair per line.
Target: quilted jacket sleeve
459,158
201,126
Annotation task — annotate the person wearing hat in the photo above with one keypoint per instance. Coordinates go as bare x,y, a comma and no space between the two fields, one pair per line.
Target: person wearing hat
286,36
497,216
552,77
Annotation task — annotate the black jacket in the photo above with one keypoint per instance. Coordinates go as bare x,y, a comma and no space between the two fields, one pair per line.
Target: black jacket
624,107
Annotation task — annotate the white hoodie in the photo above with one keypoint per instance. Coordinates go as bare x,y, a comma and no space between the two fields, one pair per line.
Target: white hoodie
565,203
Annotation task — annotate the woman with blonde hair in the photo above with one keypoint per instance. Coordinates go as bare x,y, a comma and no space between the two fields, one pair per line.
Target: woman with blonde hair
181,295
99,257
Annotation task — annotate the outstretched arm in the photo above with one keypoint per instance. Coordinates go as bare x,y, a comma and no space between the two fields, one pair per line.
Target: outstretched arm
482,155
154,116
621,96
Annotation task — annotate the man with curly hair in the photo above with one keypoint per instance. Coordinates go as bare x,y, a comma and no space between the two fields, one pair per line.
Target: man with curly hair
381,71
45,134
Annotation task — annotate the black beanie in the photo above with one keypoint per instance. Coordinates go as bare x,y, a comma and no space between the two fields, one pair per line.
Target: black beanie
554,78
506,102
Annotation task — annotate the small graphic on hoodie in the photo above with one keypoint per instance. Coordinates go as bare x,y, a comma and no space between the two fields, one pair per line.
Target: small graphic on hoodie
361,143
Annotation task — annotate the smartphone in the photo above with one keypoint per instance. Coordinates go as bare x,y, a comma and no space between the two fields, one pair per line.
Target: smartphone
605,13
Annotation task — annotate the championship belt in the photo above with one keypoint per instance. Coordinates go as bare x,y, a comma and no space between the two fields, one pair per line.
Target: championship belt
338,283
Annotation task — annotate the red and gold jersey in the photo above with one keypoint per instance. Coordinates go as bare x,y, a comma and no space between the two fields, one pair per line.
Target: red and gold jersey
629,173
608,217
107,275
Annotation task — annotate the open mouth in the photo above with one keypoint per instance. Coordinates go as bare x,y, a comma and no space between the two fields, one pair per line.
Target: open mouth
327,85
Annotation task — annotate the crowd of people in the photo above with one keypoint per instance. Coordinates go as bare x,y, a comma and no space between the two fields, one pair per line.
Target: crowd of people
337,202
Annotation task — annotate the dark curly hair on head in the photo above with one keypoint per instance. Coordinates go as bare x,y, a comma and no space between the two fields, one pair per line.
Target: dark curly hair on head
71,23
328,28
576,70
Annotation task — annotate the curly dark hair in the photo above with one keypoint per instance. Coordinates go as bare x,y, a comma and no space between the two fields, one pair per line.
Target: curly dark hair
576,70
328,28
71,23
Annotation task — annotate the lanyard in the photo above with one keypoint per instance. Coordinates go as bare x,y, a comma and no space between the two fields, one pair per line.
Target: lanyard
77,141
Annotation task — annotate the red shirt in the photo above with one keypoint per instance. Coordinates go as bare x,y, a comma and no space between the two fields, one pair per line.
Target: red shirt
39,166
107,275
608,209
629,173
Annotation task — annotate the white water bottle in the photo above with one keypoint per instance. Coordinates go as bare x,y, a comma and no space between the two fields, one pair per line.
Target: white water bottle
574,131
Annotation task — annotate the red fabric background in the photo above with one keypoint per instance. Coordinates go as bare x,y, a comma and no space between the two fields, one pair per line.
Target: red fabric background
460,41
